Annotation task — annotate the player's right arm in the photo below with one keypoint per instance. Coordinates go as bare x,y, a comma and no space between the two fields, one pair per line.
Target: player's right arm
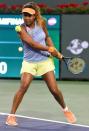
28,39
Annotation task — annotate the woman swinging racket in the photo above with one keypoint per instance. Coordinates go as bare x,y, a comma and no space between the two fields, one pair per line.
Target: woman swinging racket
37,42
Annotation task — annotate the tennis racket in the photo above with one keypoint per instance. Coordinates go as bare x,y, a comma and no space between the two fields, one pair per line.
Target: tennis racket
75,65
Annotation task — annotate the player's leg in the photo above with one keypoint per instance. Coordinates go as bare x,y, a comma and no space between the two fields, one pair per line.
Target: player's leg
25,82
52,85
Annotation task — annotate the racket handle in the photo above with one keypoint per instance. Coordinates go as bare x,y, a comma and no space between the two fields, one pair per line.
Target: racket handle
60,56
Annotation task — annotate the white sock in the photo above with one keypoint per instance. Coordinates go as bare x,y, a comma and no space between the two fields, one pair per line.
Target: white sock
11,114
65,109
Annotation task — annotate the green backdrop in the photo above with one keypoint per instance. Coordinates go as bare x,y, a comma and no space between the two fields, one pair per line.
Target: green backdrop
10,57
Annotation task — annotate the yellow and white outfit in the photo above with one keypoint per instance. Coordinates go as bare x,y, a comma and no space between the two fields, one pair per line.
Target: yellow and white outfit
38,68
34,62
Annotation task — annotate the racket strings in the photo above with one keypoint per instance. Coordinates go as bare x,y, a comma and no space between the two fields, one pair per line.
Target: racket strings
76,65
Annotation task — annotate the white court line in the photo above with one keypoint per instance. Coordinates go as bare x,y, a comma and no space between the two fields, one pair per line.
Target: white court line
10,42
21,116
2,57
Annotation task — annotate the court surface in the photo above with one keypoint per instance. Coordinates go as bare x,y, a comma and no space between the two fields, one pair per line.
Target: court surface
36,124
39,103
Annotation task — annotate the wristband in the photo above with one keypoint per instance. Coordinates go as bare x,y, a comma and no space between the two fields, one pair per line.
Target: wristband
51,49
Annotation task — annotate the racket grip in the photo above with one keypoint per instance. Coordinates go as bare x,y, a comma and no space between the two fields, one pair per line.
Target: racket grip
60,56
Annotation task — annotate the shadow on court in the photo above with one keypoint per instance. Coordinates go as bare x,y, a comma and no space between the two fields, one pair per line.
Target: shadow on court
35,124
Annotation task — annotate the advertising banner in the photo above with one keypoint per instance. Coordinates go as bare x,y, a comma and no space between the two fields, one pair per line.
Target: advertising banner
11,53
75,43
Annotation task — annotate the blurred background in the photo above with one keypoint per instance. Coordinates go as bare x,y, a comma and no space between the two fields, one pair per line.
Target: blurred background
48,2
68,26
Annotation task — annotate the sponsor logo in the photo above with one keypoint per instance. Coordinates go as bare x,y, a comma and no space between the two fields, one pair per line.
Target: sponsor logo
10,21
76,46
52,21
3,67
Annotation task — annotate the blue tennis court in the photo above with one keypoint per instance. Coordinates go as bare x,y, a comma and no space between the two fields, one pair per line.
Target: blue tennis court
37,124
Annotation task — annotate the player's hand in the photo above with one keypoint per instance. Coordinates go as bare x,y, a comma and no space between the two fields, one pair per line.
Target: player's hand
55,53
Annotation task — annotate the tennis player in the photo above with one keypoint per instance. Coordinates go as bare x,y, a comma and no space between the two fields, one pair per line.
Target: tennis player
37,42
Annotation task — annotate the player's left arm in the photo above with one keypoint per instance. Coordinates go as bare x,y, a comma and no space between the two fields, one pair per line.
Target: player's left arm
49,42
48,38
